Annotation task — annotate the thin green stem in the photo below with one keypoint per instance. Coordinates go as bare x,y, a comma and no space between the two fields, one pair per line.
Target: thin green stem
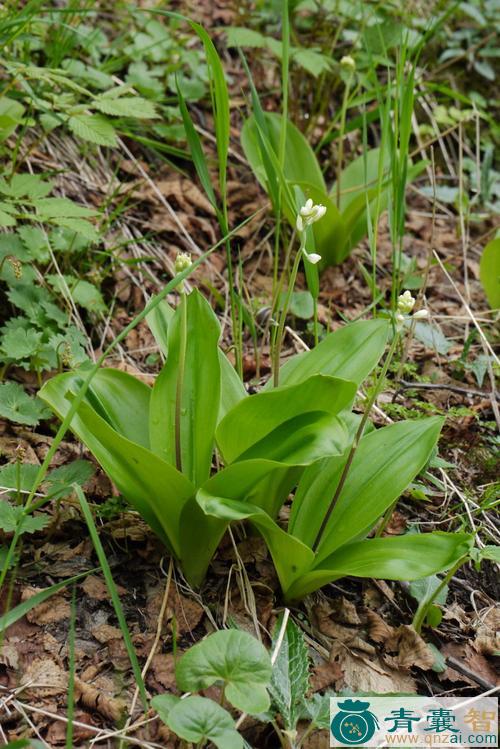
282,320
340,156
356,441
180,381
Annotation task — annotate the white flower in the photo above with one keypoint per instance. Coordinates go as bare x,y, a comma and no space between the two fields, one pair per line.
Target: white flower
309,214
421,314
313,257
348,62
405,303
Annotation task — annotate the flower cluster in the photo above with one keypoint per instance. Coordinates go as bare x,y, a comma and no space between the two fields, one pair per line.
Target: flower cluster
309,214
182,262
406,304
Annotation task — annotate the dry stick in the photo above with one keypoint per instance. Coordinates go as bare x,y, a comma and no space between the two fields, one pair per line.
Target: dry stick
356,440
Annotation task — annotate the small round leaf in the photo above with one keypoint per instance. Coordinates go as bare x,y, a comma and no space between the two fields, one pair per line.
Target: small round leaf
198,719
234,658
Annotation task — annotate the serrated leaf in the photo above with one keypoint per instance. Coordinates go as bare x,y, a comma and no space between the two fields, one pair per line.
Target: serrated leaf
18,406
290,677
20,344
93,128
6,219
30,186
35,242
78,225
62,208
19,477
83,293
60,480
12,516
126,106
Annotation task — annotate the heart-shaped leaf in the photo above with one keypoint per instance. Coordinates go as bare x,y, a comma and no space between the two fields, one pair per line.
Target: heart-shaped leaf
234,659
197,720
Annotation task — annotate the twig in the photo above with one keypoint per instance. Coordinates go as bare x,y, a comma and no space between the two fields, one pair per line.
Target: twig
404,384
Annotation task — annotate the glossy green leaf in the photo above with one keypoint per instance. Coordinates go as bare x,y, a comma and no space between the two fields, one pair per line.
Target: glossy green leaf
198,720
291,557
489,272
265,412
397,558
384,464
200,392
232,388
119,398
235,660
301,164
349,353
156,489
361,174
245,481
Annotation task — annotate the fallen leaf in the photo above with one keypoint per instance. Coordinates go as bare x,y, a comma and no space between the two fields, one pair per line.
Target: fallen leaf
44,678
368,674
53,610
488,631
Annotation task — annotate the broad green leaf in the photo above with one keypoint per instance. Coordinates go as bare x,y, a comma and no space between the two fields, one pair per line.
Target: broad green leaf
233,659
232,390
361,174
266,412
121,399
156,489
200,392
301,164
198,720
231,387
406,557
18,406
78,225
163,703
291,557
385,462
240,36
252,481
301,440
316,710
350,353
94,128
290,677
489,272
159,320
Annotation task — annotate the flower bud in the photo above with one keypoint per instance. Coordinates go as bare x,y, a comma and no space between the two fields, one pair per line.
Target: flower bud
182,262
313,257
422,314
348,63
405,303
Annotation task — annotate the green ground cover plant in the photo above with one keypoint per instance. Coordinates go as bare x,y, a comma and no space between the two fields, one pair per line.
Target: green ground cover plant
158,445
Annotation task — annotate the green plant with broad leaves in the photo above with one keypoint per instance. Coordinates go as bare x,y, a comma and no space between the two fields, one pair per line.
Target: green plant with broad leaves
158,446
233,660
362,190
